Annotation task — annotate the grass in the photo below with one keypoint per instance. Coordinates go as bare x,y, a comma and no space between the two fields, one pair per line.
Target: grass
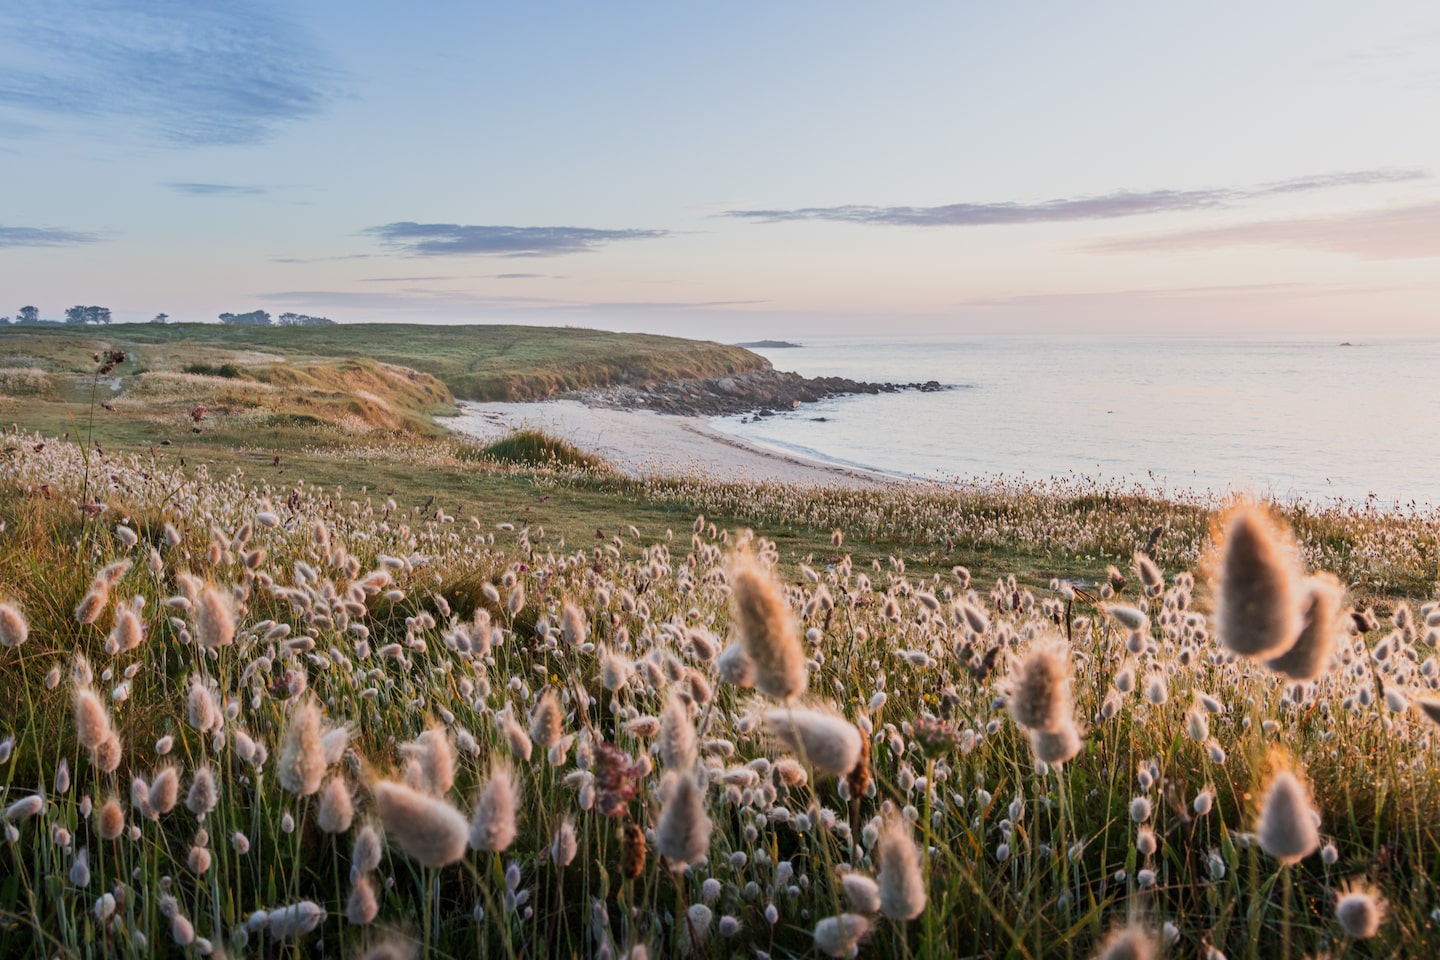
474,362
405,580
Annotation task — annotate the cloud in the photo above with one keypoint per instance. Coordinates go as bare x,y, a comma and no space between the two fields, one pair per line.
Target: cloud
1394,233
1124,203
43,237
448,239
215,189
191,73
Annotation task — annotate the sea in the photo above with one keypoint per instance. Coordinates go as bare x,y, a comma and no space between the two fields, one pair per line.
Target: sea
1301,419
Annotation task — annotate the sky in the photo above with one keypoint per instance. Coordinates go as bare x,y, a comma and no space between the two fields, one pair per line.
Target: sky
730,170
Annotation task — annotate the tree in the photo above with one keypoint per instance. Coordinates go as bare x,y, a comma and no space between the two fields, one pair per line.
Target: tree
255,318
28,315
303,320
161,318
87,315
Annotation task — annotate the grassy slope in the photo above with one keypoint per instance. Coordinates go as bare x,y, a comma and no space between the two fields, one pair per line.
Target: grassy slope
476,362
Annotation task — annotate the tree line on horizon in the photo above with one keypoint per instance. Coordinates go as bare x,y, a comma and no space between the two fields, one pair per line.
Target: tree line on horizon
78,315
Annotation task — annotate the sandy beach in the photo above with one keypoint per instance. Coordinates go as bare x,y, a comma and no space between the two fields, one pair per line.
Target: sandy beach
648,443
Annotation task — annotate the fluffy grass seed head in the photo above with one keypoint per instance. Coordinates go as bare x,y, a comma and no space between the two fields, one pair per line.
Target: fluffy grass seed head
1309,657
676,746
337,809
1040,698
840,936
1128,943
92,720
302,756
1057,746
682,834
902,886
492,827
427,829
1360,910
1286,827
829,742
767,630
13,626
547,720
214,619
1255,605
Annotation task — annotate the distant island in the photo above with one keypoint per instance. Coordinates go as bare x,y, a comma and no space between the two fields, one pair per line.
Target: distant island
770,345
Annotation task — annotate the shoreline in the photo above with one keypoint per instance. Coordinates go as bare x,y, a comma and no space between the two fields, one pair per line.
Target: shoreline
645,442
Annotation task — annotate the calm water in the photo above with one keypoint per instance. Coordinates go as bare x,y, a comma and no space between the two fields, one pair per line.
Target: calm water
1284,418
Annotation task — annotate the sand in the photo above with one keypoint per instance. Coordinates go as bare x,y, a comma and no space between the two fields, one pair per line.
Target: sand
642,442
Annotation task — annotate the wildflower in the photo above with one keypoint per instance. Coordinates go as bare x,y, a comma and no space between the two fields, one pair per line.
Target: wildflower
840,936
936,737
1359,910
829,743
1150,576
682,834
1286,829
13,627
1255,605
163,793
767,631
902,888
617,779
1140,809
632,851
492,828
302,758
429,830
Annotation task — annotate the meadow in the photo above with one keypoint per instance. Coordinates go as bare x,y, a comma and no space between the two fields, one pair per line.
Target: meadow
356,688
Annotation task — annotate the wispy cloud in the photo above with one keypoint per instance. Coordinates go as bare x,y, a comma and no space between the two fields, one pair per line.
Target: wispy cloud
1124,203
1394,233
192,73
450,239
43,237
215,189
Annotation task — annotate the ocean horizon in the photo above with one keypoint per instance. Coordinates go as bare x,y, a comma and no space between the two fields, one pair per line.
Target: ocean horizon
1300,418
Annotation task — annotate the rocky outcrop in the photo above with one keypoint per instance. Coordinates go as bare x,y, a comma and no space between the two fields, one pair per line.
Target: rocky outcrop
763,393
